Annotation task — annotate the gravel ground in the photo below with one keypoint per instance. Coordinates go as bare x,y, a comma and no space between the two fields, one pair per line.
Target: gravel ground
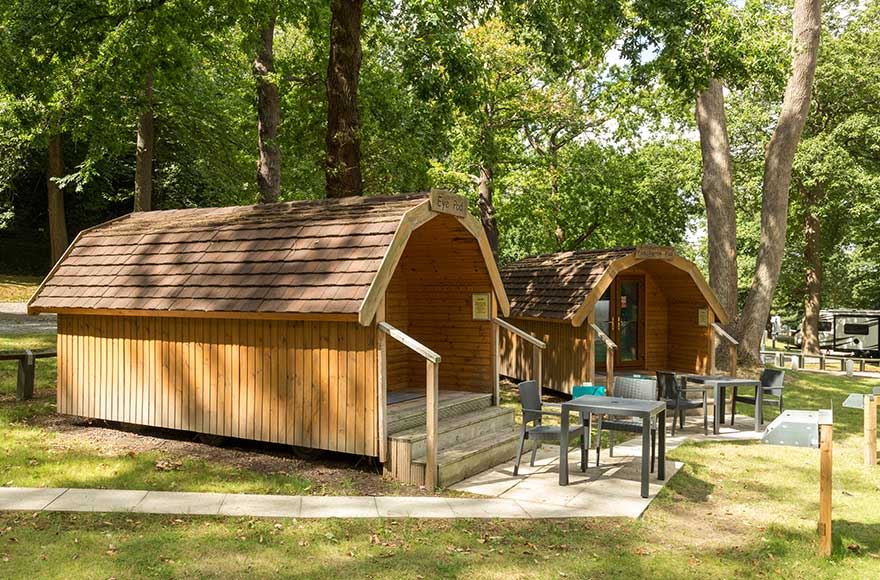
14,320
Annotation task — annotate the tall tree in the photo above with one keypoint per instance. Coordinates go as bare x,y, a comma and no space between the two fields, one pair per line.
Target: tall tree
146,141
717,188
806,25
343,141
268,112
57,220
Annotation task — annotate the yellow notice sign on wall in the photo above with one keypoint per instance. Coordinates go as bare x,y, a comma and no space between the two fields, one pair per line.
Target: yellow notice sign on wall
482,306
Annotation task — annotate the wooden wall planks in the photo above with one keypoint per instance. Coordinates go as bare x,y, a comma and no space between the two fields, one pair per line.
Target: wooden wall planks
429,298
303,383
674,340
565,360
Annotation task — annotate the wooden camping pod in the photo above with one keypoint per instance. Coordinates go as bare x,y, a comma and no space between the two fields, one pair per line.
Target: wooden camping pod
555,298
260,322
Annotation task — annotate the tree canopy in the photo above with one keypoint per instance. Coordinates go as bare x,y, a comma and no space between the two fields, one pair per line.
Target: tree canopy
568,124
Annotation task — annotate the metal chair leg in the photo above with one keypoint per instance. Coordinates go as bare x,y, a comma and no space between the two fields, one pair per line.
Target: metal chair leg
653,448
733,407
674,413
535,445
519,450
611,444
705,413
584,444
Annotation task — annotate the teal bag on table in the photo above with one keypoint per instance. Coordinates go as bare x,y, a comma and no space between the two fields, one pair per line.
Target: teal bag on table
582,390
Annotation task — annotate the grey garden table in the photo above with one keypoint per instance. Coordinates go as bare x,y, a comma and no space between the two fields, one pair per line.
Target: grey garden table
617,406
719,383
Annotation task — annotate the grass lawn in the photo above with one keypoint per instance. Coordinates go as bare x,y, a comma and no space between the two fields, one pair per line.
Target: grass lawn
18,288
733,510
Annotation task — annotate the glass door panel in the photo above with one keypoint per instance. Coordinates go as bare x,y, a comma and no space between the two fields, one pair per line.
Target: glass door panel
629,339
619,313
602,315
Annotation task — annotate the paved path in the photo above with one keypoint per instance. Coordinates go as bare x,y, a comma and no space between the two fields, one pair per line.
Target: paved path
610,491
281,506
14,320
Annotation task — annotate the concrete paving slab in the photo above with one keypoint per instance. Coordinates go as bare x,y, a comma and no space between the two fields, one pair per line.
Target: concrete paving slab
338,507
486,508
281,506
176,502
539,510
97,500
28,498
406,507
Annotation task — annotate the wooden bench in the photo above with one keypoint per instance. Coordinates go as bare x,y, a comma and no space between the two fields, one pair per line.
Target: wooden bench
27,364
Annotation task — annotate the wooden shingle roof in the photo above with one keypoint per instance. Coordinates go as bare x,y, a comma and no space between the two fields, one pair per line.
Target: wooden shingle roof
555,285
567,285
306,257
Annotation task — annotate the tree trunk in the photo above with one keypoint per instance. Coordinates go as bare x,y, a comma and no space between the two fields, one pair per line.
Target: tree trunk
143,170
487,208
717,186
269,116
777,176
343,173
57,224
813,272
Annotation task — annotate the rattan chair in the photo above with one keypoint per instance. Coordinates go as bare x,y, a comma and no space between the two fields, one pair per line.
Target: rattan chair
534,413
674,390
772,383
628,388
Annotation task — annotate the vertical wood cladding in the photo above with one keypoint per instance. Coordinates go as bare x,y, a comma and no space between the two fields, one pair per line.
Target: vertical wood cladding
306,383
429,298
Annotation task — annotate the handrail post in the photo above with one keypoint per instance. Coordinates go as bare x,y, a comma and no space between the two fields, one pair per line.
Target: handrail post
537,369
432,397
609,372
432,418
610,347
731,355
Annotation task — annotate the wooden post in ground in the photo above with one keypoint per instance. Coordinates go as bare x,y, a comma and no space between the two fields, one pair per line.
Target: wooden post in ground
825,447
433,417
24,387
870,430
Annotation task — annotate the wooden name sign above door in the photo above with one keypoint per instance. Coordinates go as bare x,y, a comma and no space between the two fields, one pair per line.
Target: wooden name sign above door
443,201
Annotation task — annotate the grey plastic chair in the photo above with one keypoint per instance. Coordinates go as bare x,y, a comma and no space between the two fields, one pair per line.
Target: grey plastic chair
629,388
772,383
533,412
673,389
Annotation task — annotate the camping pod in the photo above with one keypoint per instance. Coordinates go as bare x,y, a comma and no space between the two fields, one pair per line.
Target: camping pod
651,304
298,323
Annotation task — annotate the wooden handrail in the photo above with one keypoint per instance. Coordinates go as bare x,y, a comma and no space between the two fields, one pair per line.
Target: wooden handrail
609,358
409,342
520,333
605,338
719,330
537,346
432,397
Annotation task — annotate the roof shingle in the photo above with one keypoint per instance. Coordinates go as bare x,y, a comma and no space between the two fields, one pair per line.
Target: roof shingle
290,258
555,285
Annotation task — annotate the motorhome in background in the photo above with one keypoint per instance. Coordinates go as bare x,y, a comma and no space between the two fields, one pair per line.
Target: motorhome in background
849,331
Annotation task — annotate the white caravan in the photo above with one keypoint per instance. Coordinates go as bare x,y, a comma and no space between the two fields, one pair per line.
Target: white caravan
848,331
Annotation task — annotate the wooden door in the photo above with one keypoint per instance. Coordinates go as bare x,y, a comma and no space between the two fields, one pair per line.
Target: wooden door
620,313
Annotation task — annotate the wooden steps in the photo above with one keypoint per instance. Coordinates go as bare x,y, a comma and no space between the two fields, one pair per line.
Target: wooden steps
472,436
